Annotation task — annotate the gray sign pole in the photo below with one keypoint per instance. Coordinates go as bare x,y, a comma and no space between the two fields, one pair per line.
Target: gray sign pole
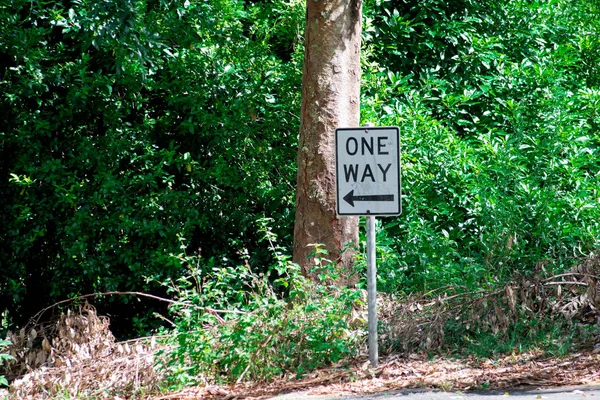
372,292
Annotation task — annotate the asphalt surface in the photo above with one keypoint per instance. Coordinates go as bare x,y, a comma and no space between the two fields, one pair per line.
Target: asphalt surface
564,393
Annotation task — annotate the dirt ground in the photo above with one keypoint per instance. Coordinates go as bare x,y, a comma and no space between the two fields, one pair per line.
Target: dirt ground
512,372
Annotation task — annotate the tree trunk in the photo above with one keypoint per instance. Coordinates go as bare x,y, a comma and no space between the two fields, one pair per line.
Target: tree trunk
330,99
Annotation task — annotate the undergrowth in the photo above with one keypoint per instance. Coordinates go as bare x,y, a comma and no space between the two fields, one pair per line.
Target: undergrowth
233,324
550,315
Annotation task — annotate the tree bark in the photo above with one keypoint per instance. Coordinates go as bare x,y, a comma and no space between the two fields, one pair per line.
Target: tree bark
330,99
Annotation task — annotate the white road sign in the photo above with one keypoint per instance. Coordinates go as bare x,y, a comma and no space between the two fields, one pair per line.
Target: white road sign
368,171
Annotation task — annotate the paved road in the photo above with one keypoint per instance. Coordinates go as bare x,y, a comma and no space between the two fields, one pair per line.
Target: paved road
565,393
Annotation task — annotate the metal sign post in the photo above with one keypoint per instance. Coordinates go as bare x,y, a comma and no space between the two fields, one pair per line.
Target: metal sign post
368,183
372,292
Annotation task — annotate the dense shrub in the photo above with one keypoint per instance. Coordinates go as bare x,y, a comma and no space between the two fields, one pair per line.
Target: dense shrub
497,104
128,127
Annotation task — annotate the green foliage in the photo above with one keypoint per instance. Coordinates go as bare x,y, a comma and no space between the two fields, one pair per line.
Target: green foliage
234,325
126,125
496,102
4,357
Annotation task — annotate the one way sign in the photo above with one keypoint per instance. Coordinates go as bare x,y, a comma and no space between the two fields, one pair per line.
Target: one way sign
368,171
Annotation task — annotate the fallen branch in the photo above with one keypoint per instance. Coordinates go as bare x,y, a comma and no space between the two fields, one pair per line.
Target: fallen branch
35,319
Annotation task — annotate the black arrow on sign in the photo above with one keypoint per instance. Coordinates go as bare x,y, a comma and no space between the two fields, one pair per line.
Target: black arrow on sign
351,198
